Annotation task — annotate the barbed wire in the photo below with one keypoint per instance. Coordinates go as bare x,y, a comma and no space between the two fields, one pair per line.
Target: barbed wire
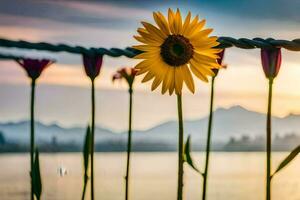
225,42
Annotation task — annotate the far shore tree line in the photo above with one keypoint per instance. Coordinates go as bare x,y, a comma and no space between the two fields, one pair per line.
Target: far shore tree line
235,144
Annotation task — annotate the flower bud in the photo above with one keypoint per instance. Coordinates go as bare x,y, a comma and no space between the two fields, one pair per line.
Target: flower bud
271,61
220,61
92,64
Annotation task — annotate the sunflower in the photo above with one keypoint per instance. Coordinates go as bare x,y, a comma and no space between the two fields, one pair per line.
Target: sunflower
173,50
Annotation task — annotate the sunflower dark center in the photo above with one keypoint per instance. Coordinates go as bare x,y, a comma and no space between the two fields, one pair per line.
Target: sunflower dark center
176,50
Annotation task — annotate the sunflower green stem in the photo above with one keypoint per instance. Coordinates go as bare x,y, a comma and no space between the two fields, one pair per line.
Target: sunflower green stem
128,145
208,141
180,149
32,145
269,140
92,139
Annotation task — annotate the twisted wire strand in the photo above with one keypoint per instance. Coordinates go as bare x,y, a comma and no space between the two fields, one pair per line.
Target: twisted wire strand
15,57
225,42
9,57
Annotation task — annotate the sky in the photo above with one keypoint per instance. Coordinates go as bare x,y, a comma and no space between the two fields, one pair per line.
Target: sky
63,91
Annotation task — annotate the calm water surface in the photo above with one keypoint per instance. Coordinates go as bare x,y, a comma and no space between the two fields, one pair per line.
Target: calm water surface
233,176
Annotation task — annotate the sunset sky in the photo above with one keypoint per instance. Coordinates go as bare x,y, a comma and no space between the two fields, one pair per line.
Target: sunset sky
63,90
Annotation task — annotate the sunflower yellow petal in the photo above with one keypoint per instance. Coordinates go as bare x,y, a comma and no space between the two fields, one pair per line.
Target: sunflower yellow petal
146,47
148,55
195,27
178,80
161,22
148,37
142,64
204,58
167,80
142,71
201,45
156,82
207,64
160,74
154,31
143,40
186,22
190,27
140,39
188,79
198,73
186,31
147,65
198,27
204,41
171,19
213,51
203,33
148,76
172,82
205,70
178,22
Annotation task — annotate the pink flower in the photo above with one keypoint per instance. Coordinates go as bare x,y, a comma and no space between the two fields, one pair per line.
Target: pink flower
92,64
127,73
220,61
271,61
34,67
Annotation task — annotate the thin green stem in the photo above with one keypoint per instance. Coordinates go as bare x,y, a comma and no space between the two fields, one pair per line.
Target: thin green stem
208,141
84,188
180,149
128,146
32,135
93,140
269,140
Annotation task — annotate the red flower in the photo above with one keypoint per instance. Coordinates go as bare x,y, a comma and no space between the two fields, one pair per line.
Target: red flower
219,60
34,67
127,73
271,61
92,64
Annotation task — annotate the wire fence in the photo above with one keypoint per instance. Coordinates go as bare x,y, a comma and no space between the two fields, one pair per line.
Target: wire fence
225,42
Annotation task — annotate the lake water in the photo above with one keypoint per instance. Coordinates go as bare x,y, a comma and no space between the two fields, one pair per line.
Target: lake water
233,176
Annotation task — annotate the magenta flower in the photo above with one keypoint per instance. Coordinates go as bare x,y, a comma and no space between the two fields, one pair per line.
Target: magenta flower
221,56
34,67
271,61
92,64
127,73
220,61
210,121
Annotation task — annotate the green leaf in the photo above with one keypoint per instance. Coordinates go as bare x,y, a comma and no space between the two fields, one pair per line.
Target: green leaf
36,176
86,155
188,157
87,148
287,160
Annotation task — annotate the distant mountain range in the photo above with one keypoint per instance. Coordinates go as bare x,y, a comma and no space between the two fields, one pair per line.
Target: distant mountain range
234,122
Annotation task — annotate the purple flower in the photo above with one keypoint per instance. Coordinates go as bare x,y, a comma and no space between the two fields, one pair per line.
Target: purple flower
127,73
220,61
271,61
92,64
34,67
